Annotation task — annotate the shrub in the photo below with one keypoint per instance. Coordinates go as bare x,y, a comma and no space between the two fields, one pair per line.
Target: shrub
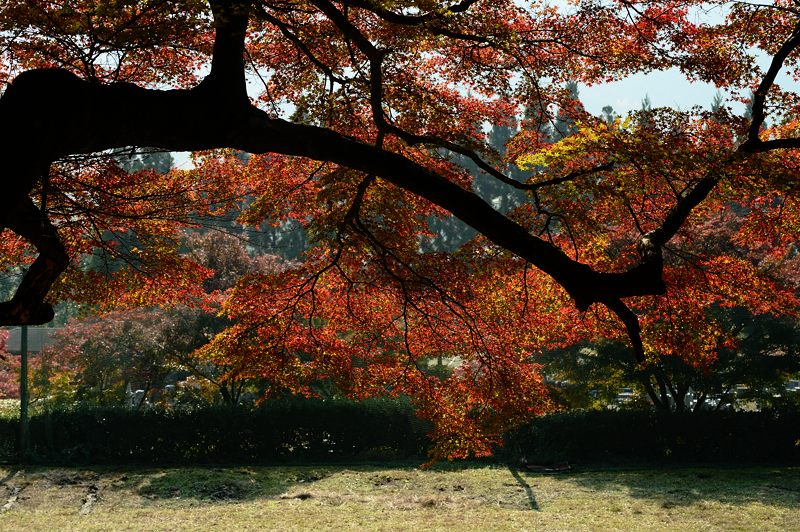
653,437
306,430
314,430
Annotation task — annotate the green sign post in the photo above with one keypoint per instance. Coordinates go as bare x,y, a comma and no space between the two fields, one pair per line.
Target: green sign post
24,431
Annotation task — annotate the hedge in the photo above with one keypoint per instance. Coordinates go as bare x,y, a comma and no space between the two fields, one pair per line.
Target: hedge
308,430
283,431
624,437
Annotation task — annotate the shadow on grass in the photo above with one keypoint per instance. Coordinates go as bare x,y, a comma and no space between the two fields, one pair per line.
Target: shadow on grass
776,486
227,484
230,483
534,504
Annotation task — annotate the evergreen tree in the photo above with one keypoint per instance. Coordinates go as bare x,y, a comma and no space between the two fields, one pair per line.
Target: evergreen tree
608,115
717,103
450,233
564,125
159,161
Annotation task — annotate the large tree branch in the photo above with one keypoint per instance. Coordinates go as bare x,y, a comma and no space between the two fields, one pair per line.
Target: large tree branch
193,120
585,285
431,20
227,61
760,94
410,20
651,243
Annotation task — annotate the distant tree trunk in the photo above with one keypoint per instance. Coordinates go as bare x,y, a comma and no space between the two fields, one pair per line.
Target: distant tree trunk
700,402
226,395
24,429
144,395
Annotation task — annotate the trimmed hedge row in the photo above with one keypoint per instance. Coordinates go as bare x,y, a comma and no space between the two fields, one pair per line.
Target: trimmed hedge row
311,430
617,437
284,431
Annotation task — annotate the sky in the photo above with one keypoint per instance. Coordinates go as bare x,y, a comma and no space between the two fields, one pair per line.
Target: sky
664,88
668,88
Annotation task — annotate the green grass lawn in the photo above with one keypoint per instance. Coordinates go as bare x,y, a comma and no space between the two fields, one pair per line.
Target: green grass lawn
447,497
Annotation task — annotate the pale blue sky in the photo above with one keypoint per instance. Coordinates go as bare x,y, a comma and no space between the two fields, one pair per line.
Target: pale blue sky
664,88
668,88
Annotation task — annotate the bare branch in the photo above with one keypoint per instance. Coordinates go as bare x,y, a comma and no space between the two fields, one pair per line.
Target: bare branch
760,94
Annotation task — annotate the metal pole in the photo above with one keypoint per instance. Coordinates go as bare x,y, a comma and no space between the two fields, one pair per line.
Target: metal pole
24,430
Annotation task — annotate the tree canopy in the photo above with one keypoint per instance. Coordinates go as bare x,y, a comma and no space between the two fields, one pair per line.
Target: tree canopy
358,114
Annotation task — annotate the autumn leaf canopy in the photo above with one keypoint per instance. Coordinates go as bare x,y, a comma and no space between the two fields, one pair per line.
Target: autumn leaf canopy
367,119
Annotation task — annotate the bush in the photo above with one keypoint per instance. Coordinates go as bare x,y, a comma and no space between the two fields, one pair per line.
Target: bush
315,430
295,430
651,437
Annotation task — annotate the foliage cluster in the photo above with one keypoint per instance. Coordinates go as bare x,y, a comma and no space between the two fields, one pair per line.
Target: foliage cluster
101,355
750,373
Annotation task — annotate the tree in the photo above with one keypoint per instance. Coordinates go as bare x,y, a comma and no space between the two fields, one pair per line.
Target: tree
100,357
382,93
9,369
103,358
761,354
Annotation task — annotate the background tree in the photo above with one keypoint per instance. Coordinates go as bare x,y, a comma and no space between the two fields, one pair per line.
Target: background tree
9,369
101,357
750,372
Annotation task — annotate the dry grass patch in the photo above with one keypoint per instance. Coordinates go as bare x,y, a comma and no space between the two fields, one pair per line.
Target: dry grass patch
398,498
